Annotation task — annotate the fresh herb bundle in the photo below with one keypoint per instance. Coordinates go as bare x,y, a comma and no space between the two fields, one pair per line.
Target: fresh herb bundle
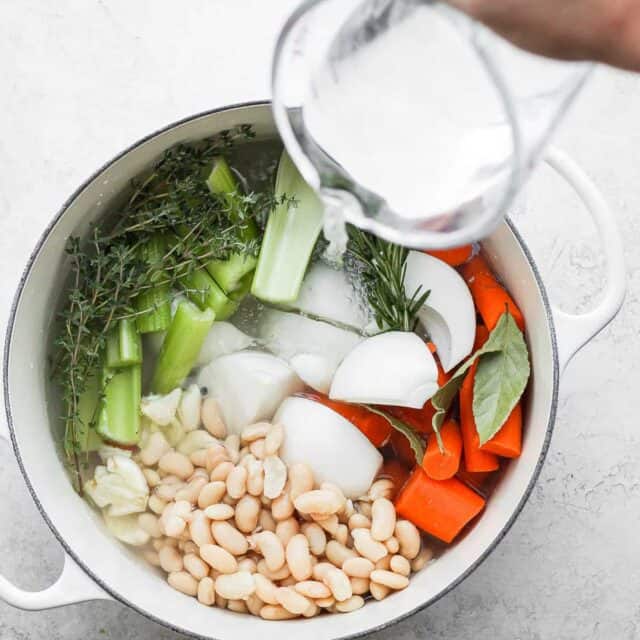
383,267
108,273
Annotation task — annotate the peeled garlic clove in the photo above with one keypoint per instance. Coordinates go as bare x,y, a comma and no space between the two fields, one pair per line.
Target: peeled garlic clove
161,409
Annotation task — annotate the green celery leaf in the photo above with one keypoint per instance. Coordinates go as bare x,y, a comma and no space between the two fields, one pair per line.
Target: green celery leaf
500,380
414,439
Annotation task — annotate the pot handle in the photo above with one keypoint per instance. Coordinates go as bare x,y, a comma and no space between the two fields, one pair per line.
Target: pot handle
73,585
575,330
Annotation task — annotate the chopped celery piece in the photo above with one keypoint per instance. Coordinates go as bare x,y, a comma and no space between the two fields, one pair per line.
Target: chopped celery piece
181,346
289,238
124,345
119,418
202,289
153,304
85,434
221,178
228,273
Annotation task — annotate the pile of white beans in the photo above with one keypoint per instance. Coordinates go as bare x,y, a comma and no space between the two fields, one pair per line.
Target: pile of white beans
231,525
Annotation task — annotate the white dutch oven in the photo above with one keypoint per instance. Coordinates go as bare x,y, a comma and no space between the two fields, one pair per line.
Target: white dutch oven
98,567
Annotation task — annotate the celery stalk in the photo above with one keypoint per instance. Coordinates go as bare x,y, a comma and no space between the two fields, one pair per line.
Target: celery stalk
85,435
153,304
124,345
228,273
289,238
181,346
119,417
202,289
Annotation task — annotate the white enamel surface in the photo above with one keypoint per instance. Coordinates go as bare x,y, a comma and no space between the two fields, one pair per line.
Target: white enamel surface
116,566
322,438
391,368
448,313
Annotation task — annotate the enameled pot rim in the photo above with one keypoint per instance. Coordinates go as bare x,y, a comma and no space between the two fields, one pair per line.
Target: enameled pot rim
7,399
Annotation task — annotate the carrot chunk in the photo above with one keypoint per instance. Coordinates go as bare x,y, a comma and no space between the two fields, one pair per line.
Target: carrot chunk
490,297
475,459
508,441
453,257
441,465
440,507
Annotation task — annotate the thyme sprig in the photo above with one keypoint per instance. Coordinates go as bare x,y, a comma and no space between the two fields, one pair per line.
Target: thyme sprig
107,273
382,266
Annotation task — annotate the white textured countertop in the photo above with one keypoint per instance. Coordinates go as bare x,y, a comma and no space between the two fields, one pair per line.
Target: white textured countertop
82,79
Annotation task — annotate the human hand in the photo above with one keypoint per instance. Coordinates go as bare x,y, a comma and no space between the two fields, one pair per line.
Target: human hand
601,30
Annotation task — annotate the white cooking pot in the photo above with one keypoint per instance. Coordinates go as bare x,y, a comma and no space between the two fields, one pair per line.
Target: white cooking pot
98,567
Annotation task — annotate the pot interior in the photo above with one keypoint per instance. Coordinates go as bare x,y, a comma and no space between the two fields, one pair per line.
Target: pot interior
33,407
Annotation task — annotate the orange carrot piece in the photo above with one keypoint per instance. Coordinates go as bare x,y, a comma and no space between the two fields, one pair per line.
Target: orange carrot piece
477,481
475,459
453,257
490,297
440,507
375,427
482,335
442,465
508,441
396,471
402,449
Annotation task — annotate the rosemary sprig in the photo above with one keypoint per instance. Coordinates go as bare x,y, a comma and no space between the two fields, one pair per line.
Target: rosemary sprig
382,267
107,273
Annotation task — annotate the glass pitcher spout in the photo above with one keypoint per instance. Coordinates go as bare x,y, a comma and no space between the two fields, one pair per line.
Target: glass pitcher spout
422,122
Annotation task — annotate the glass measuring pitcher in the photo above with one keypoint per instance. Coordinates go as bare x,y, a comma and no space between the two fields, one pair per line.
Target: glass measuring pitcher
412,120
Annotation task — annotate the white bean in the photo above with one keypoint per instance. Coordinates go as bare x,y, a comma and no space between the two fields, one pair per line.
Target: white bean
255,477
358,567
212,418
265,589
195,566
389,579
330,524
409,538
300,479
266,521
247,513
239,606
421,559
152,477
155,447
211,493
337,553
359,586
383,519
229,538
235,586
282,507
383,488
313,589
275,612
156,504
221,471
206,592
218,558
275,476
150,523
219,512
292,601
298,557
347,606
368,547
247,564
254,432
342,534
189,408
392,544
271,548
237,482
316,537
378,591
191,492
273,440
254,604
319,501
258,449
200,529
339,584
170,559
176,463
399,564
184,582
281,574
286,529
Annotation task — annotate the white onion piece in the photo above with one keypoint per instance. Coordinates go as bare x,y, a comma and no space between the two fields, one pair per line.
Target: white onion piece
448,313
223,338
328,293
391,368
335,450
314,349
249,386
126,529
